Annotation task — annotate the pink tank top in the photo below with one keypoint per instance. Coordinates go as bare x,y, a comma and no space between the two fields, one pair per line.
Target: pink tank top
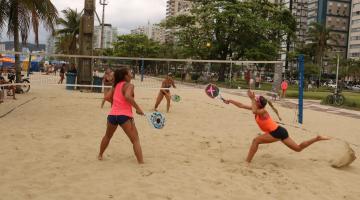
120,105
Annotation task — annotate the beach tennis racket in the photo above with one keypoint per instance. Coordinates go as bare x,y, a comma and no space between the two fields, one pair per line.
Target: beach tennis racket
156,120
213,92
175,98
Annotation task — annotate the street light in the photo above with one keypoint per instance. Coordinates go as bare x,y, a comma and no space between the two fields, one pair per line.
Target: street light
208,45
337,69
103,3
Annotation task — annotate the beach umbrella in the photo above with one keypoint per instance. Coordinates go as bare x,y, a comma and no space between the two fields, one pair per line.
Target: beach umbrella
7,60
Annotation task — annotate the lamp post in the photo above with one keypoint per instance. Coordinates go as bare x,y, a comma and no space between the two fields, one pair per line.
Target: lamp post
208,45
337,73
103,3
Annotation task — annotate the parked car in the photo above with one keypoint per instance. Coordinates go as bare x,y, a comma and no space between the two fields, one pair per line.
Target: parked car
332,85
268,79
356,87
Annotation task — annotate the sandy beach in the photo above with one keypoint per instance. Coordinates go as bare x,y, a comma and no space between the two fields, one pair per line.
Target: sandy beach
49,147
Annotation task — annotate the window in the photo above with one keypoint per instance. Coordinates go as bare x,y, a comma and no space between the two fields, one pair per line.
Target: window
355,30
354,46
355,54
355,38
357,21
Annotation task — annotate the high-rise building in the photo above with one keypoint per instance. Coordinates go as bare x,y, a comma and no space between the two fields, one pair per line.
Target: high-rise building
174,8
110,35
335,15
152,31
354,31
300,11
50,45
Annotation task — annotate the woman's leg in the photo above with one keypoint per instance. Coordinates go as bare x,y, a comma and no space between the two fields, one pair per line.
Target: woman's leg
131,131
158,100
262,139
292,145
106,139
168,100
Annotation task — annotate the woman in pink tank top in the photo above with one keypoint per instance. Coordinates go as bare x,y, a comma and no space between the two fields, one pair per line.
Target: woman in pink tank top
122,98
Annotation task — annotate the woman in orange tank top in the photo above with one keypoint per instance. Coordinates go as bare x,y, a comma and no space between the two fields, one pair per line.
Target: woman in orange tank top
272,131
122,98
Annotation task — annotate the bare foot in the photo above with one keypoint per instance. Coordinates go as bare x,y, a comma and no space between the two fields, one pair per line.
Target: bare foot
320,137
247,164
100,157
155,109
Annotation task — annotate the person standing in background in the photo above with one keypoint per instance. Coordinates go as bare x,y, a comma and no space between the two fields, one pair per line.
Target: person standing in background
62,74
284,86
257,81
108,80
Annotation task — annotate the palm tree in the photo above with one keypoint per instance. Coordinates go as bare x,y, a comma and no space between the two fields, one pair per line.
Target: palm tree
69,33
22,15
321,40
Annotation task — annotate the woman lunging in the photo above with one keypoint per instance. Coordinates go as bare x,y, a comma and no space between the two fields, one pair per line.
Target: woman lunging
273,132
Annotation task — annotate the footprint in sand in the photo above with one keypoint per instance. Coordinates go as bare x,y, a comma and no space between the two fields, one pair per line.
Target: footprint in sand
66,136
205,145
146,173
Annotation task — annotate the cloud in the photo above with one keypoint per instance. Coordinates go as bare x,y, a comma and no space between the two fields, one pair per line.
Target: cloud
123,14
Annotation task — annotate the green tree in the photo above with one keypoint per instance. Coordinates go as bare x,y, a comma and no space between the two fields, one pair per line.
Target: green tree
22,15
252,29
321,39
68,34
136,45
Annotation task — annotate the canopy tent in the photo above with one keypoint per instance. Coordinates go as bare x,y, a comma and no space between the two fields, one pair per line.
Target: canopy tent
9,60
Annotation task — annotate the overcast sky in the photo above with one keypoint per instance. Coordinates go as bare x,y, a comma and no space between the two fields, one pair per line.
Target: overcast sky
123,14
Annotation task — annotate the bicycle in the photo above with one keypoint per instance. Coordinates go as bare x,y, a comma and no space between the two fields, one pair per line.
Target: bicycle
335,98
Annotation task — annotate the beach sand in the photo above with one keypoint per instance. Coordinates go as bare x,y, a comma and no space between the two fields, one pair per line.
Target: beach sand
49,147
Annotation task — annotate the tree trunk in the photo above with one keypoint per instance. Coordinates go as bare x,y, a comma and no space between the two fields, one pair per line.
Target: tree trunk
17,44
222,72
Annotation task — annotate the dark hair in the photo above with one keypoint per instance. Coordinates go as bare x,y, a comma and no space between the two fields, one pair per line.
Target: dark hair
120,74
263,101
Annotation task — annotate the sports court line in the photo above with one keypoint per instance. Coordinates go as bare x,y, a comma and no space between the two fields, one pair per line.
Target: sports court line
16,107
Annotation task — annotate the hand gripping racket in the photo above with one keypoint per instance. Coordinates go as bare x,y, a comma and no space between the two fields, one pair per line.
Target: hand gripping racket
156,120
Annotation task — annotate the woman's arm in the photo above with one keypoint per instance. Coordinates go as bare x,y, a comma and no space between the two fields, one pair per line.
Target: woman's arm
129,96
173,83
238,104
109,95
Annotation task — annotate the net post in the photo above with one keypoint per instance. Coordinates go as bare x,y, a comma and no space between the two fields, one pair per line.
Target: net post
142,70
301,88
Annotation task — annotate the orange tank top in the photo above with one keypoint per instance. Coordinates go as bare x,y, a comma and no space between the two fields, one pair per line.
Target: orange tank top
265,123
120,105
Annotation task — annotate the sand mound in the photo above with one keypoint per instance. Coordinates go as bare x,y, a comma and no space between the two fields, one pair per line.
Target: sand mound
346,158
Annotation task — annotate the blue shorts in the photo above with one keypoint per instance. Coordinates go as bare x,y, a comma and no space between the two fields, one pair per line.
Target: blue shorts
118,119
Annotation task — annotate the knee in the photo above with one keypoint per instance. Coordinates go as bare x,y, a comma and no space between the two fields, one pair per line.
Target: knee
256,141
135,140
297,149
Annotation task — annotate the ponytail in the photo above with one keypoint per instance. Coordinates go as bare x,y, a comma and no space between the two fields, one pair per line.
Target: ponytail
274,109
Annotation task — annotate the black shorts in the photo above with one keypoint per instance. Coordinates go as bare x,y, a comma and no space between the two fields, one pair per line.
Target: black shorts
118,119
280,133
